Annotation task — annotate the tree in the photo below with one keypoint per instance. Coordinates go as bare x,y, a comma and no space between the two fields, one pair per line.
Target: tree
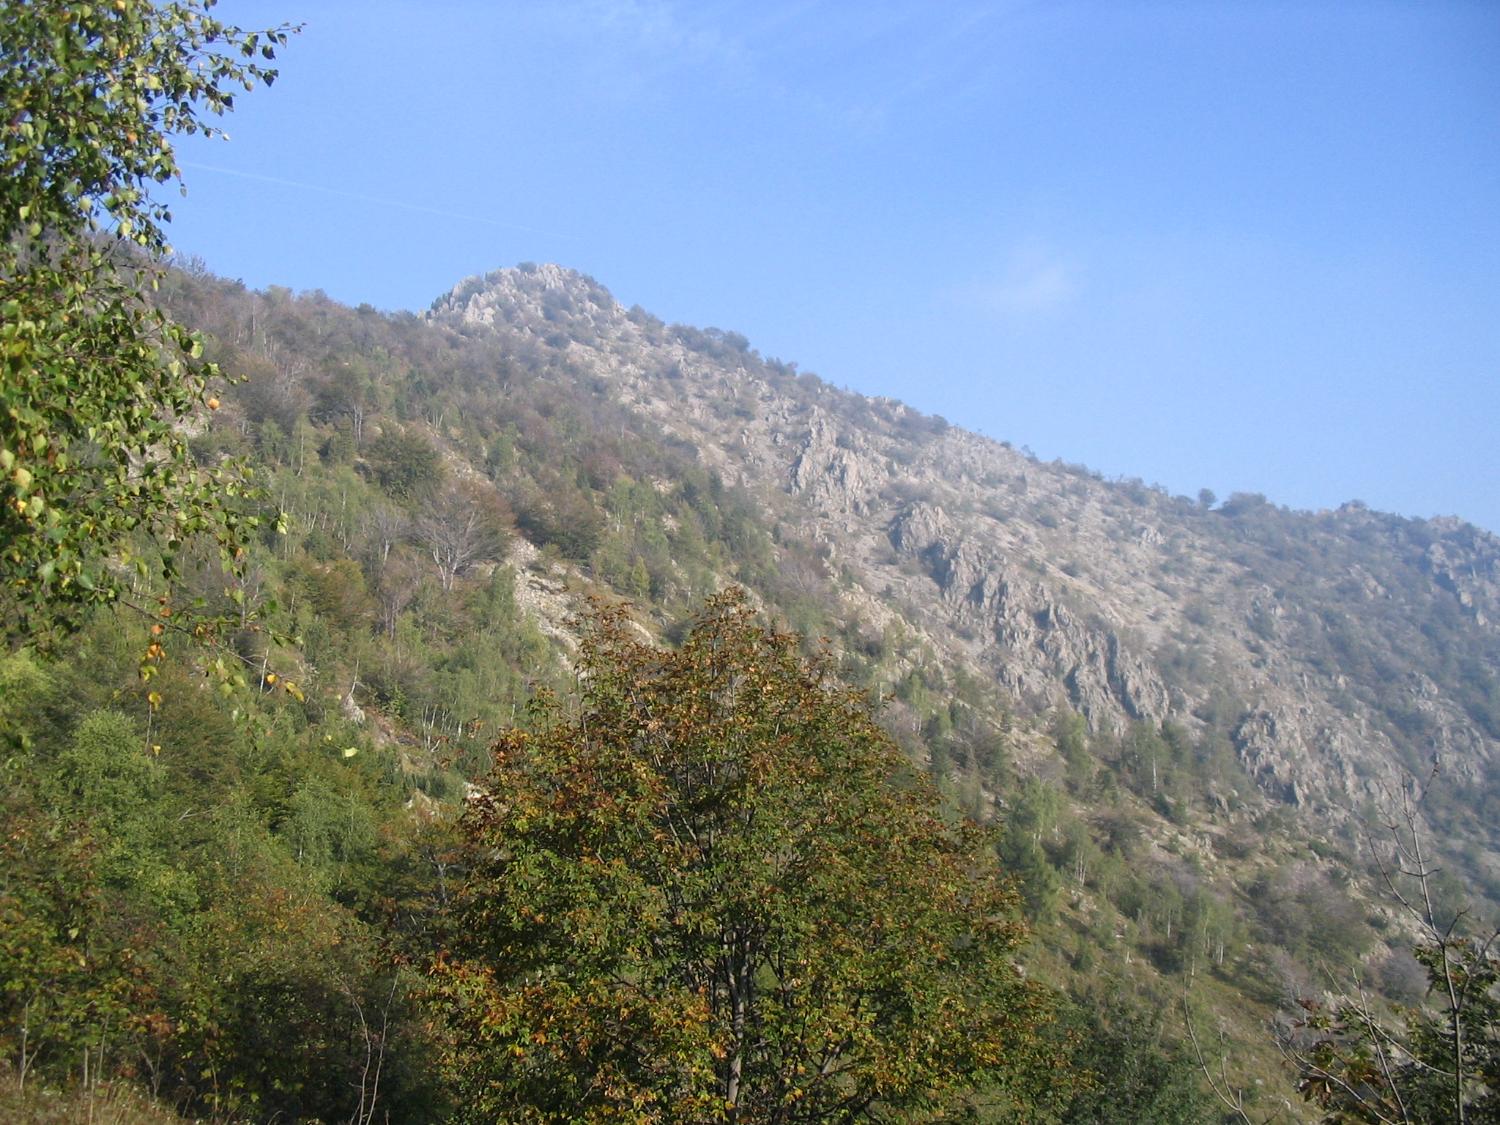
717,892
1441,1060
95,383
1031,820
1136,1075
462,526
1360,1065
406,465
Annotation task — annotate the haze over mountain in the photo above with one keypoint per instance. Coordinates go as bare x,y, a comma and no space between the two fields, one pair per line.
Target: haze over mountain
1245,247
1350,640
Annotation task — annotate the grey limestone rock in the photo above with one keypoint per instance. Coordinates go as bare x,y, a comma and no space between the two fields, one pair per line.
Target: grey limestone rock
1059,586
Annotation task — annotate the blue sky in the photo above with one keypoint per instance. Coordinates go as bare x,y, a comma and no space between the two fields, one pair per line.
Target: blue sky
1247,246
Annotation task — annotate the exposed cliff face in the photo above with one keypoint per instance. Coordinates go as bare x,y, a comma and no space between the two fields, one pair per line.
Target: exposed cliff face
1349,641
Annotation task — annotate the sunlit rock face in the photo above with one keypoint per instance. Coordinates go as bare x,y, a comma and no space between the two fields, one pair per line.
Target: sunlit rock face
1329,647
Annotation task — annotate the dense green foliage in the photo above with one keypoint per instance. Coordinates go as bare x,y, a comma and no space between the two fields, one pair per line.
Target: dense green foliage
181,910
717,892
1135,1073
95,383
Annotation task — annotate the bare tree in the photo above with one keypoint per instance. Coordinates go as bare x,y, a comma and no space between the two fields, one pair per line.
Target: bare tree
374,1063
1357,1061
460,528
1217,1077
1439,1062
386,525
399,582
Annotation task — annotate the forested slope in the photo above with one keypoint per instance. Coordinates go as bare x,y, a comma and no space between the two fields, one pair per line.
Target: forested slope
222,880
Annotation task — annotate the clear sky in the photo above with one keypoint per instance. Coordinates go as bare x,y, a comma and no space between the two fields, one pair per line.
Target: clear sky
1248,246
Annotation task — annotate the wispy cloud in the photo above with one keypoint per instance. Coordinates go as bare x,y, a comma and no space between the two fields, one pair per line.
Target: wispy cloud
657,27
1035,283
649,39
855,66
868,66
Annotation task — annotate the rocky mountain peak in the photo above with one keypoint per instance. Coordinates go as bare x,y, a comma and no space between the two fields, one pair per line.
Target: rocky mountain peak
1326,647
547,292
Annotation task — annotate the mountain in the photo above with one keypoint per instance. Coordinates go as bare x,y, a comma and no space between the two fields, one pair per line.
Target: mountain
1182,724
1329,649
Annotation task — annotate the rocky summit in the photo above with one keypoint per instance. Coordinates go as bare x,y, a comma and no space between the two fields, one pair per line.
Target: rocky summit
1335,648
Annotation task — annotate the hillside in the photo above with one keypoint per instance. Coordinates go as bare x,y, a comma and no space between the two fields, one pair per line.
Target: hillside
1176,716
1327,648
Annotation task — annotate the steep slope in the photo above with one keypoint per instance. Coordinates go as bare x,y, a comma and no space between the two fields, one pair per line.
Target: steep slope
1173,715
1169,715
1328,648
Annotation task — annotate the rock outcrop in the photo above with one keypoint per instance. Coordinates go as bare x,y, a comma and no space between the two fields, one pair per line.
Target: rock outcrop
1349,641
